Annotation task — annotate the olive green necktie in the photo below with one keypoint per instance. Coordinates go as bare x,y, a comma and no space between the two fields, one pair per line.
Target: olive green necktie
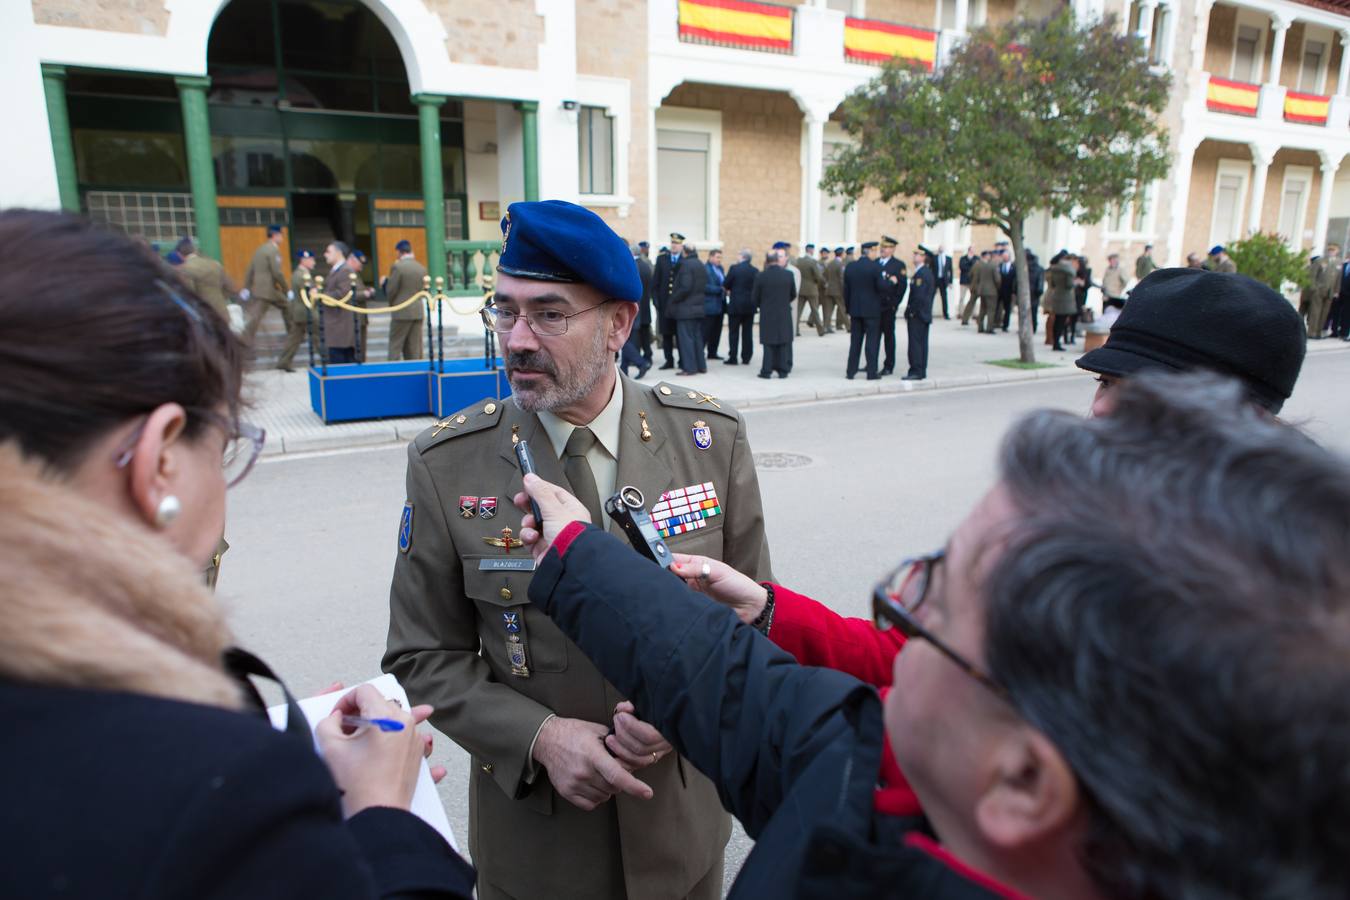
579,474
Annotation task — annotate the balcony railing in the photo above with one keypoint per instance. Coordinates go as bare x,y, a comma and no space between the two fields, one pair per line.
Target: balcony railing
1308,109
744,24
1235,97
873,42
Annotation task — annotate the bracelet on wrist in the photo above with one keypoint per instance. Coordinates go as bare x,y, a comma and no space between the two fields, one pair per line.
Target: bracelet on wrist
764,621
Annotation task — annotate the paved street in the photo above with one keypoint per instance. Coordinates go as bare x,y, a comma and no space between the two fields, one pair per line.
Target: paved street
849,487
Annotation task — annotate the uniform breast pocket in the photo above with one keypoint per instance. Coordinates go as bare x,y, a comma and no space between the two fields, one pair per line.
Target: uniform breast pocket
502,598
705,541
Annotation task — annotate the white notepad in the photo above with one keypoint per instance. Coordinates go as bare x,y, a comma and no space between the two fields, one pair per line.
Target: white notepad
426,803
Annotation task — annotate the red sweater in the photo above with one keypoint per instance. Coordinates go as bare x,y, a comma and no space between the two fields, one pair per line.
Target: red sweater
819,636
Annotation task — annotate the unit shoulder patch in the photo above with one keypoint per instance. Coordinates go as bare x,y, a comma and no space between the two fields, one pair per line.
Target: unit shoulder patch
484,414
678,397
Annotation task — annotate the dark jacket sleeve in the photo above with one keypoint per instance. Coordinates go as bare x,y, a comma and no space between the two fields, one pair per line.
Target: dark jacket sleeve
266,823
737,707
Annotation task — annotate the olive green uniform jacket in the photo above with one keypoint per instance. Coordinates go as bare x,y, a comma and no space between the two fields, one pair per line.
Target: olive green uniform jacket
265,278
207,279
1060,296
405,279
448,645
813,278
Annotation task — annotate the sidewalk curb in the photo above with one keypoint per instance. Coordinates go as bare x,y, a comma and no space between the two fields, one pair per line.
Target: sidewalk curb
400,431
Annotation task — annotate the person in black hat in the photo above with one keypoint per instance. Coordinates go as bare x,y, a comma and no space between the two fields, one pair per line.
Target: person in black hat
663,285
571,793
919,312
1184,319
894,285
864,283
302,319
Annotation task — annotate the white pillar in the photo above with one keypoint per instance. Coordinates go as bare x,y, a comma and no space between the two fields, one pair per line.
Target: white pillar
1261,158
1201,35
962,21
653,225
1181,190
815,170
1330,163
1279,26
1343,79
1145,32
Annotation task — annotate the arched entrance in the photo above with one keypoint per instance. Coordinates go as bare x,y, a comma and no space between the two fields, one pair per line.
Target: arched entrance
313,127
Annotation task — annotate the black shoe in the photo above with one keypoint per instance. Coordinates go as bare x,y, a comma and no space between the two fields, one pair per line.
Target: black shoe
1058,349
730,362
912,378
703,371
643,371
683,374
668,365
713,356
286,368
850,377
763,375
782,374
889,370
873,377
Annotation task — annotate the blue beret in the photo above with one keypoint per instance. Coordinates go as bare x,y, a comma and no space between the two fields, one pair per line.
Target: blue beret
780,245
1216,250
552,240
174,258
360,257
403,247
273,229
304,254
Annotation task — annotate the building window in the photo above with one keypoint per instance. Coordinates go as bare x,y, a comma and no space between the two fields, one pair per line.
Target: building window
1294,204
836,225
1230,194
682,182
159,217
595,150
1247,55
1310,75
1157,45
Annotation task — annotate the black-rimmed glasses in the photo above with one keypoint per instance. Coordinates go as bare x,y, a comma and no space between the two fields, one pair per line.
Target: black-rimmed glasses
898,597
243,444
546,322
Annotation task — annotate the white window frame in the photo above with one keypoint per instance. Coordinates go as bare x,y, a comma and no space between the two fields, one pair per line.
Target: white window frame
1127,232
707,121
1327,39
614,96
857,9
1243,169
835,134
1165,28
1305,175
1258,20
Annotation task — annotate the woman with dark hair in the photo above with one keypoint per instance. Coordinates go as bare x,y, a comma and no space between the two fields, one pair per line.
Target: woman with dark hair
138,759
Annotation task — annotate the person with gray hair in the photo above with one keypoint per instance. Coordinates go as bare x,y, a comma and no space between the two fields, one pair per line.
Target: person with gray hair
739,283
1143,703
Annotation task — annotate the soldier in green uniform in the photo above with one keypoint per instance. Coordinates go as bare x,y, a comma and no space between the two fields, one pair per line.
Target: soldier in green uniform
1144,263
301,317
559,806
405,325
204,276
265,281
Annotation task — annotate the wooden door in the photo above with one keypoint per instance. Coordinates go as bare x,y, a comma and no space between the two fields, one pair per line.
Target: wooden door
397,219
243,228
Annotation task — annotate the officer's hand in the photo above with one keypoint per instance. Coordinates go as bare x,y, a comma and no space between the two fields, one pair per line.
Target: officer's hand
558,508
580,768
634,741
723,583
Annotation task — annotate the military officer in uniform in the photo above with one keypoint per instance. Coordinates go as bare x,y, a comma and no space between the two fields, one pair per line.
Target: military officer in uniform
863,285
663,286
892,295
301,318
833,305
205,276
265,281
1144,263
571,795
405,325
919,312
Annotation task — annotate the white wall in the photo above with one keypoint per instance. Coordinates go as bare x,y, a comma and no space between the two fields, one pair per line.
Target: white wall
480,165
28,177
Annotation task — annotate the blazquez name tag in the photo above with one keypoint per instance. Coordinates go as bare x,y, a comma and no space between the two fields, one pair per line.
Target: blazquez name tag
497,564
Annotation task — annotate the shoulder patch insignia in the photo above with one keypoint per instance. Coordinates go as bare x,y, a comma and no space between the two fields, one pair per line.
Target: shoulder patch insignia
479,416
405,526
683,398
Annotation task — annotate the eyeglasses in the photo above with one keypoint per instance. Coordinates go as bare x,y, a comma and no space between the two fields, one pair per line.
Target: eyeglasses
243,444
545,322
898,597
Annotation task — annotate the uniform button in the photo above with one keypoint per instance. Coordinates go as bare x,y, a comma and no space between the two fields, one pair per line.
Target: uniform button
490,409
506,593
487,767
664,390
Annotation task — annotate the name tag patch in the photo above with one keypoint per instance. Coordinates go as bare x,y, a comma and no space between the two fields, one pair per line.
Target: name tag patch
686,509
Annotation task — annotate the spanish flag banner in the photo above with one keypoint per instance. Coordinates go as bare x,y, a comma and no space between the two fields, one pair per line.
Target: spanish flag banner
737,23
1310,109
869,41
1232,96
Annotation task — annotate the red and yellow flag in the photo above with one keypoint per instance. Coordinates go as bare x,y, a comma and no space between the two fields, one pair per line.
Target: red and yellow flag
1232,96
1310,109
737,23
869,41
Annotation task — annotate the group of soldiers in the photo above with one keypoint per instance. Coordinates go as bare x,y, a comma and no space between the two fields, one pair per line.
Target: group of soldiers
266,287
1325,302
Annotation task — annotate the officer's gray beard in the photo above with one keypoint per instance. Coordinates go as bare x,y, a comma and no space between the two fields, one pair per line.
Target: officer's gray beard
562,389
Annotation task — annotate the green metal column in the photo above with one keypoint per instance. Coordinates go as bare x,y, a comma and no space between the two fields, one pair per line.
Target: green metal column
201,172
63,148
529,132
433,190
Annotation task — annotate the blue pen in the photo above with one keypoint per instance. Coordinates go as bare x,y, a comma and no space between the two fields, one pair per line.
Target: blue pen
382,724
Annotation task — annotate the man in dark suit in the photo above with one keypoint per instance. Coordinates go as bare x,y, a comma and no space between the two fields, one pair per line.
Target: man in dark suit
684,311
863,282
895,283
942,276
663,285
1007,288
919,313
772,294
740,283
1339,318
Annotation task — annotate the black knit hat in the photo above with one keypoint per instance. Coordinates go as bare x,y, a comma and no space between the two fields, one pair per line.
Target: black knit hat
1182,319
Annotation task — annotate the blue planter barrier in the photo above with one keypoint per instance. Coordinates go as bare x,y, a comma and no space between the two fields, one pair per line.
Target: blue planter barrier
346,393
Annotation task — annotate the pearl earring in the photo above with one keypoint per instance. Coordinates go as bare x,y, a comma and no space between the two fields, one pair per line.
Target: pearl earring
167,511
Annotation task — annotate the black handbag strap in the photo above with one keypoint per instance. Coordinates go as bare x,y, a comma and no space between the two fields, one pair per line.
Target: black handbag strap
242,665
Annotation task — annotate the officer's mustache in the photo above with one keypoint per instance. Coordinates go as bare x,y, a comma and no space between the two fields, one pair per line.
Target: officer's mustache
533,360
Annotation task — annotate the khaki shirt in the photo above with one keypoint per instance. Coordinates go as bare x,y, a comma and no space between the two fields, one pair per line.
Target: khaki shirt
264,278
405,279
1143,266
1113,282
207,279
454,595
